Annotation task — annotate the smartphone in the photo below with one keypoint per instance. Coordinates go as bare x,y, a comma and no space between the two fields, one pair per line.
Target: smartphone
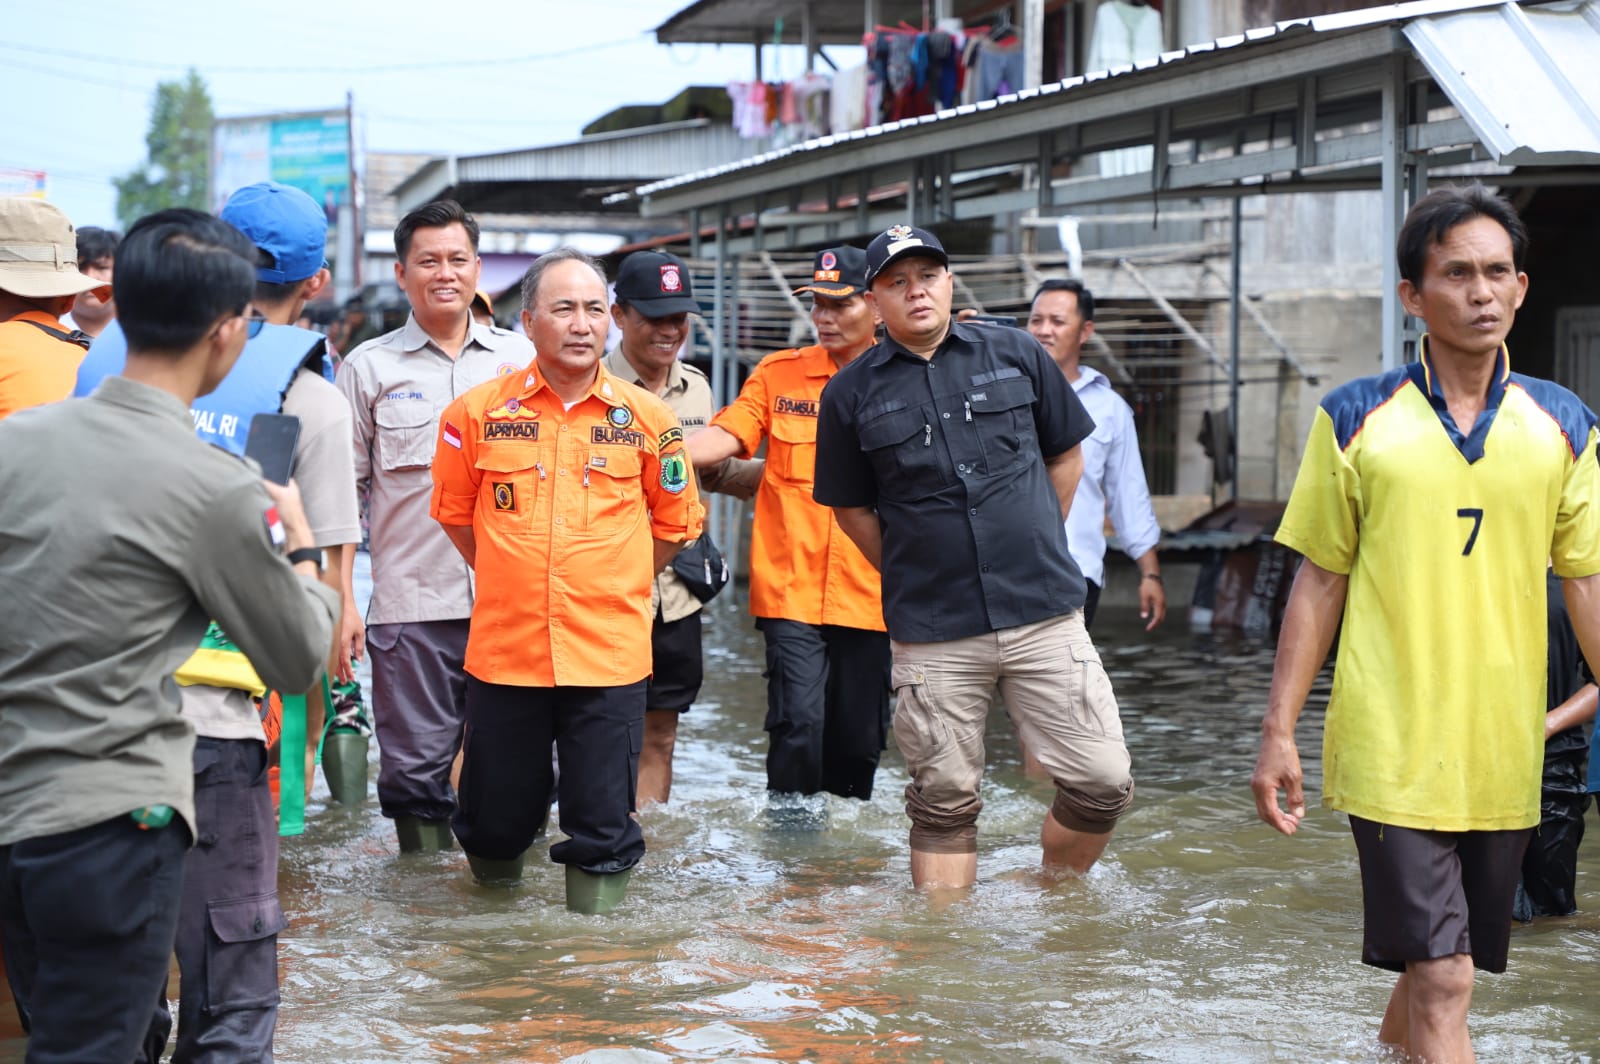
995,319
271,443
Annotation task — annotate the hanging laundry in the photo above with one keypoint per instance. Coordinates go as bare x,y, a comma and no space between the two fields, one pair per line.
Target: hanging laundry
1124,33
847,103
749,99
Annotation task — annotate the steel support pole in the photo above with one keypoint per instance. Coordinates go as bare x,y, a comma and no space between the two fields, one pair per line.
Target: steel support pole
1234,297
1394,209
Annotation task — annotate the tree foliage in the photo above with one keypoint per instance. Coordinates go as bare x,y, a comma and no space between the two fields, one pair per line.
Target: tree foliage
178,147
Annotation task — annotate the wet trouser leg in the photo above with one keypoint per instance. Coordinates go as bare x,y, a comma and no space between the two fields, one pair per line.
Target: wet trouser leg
506,777
1550,864
227,943
797,685
419,687
88,918
856,709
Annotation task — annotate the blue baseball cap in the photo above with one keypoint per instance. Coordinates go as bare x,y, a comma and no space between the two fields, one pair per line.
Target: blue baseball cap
284,222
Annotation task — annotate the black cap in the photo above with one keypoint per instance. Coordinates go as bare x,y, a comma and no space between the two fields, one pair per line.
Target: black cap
837,273
655,284
899,241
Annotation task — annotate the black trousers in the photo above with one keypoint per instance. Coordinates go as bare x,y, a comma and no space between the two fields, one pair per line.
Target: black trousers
88,918
827,707
1090,603
507,777
230,919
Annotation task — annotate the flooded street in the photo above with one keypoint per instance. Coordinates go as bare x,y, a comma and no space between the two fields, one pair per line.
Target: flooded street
1201,937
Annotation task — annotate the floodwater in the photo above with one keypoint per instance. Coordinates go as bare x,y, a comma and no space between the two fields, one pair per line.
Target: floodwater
1202,936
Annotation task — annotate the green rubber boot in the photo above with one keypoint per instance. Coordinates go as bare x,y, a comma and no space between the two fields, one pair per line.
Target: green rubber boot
344,765
595,894
492,873
423,836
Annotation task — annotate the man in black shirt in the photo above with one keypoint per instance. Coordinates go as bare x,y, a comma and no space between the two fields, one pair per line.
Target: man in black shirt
949,454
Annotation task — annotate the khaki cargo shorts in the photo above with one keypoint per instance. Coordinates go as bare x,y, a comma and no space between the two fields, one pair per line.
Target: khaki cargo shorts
1060,699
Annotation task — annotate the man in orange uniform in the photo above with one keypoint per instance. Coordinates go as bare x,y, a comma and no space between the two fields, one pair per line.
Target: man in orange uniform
815,597
567,490
39,279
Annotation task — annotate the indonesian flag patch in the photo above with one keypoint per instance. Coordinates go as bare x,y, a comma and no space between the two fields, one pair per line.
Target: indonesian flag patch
274,526
452,435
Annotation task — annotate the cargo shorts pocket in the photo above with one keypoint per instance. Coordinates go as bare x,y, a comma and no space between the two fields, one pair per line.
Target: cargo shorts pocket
919,731
1093,705
242,953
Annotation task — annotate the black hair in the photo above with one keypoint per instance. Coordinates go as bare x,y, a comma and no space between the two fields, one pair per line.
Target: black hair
531,279
435,215
1433,216
95,244
178,272
1084,296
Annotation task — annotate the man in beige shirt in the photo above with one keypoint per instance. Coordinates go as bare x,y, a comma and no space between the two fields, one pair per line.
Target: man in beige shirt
397,385
654,299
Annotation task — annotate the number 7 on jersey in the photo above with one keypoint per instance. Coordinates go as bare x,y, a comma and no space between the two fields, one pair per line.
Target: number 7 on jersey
1476,515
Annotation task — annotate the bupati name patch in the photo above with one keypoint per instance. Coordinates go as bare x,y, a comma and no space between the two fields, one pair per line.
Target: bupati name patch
804,407
607,434
507,430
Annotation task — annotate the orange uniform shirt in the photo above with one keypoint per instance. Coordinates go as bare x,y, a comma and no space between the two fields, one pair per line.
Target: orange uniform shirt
35,367
564,505
802,565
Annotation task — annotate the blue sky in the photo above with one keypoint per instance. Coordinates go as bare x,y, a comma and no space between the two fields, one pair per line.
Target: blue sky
473,76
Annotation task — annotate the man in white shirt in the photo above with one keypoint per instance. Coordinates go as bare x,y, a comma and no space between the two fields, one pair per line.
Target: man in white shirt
1113,483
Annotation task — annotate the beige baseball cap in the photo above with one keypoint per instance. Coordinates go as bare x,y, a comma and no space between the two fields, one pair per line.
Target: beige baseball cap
39,251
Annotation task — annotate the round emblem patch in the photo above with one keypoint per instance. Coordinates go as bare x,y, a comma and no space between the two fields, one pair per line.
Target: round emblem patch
829,260
505,369
620,416
513,405
674,472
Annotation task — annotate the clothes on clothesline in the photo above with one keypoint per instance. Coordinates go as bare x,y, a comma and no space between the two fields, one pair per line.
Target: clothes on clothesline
787,112
1124,34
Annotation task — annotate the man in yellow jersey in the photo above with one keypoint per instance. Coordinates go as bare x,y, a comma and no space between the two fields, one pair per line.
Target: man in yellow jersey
1426,506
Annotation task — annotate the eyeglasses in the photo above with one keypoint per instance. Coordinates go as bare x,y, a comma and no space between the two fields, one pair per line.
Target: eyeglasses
255,321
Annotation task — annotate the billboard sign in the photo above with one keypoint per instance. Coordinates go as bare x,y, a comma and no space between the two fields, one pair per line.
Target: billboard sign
15,182
309,151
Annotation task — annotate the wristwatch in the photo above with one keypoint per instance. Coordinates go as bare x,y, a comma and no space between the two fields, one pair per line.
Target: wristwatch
1152,576
306,554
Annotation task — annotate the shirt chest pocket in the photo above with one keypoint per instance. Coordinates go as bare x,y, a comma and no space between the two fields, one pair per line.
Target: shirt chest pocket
792,457
508,485
405,434
1002,416
613,498
904,455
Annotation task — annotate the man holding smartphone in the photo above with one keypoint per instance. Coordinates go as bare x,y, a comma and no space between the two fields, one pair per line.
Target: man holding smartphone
97,802
229,989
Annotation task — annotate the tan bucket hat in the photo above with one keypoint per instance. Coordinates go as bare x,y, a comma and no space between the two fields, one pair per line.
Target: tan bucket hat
39,251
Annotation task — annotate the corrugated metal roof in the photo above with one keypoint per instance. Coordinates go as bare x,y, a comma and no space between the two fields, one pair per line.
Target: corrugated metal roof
1555,62
627,155
1527,80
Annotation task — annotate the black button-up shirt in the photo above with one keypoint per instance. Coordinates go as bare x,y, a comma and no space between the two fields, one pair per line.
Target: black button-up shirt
951,451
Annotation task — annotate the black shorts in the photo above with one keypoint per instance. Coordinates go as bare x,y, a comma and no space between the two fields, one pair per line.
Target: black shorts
1431,894
677,669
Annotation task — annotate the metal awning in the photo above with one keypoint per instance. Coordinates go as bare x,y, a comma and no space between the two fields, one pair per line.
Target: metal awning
572,177
1526,81
786,21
